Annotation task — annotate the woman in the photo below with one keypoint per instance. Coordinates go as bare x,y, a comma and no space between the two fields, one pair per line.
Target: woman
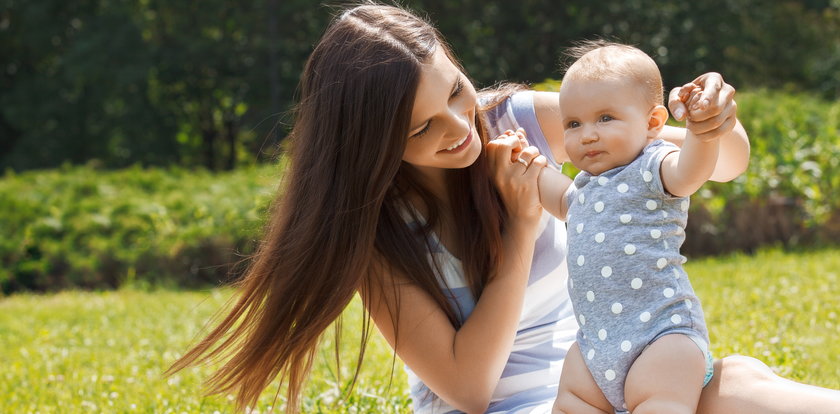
390,193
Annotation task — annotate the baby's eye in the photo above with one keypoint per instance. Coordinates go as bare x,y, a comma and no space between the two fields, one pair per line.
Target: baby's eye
572,124
605,118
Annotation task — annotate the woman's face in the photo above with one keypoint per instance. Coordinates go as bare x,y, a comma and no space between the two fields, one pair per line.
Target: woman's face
442,133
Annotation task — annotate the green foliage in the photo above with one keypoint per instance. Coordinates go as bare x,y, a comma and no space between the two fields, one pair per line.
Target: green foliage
72,351
789,192
206,83
795,140
86,228
77,226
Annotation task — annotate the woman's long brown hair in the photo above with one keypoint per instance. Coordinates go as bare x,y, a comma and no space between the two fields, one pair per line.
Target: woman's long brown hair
342,209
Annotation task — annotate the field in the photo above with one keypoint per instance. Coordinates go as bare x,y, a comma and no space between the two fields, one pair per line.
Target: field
81,352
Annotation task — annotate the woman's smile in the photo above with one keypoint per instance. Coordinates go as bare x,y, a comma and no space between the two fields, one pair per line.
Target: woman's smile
460,145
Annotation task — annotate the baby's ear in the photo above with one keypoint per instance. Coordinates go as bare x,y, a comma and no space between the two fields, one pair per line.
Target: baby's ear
657,118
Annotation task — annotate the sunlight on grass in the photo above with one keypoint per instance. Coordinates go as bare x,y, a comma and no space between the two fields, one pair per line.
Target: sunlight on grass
76,352
781,308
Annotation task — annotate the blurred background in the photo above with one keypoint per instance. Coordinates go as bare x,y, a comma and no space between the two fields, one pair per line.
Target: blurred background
141,140
141,144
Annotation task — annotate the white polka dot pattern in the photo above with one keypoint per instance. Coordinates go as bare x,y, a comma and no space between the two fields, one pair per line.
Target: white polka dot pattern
640,290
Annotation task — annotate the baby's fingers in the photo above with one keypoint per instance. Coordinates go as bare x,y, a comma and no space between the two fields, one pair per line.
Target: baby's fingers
677,99
703,110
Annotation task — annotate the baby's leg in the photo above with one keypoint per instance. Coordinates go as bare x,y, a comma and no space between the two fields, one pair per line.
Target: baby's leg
667,377
578,393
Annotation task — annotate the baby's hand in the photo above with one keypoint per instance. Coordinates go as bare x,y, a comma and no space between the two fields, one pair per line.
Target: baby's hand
707,104
523,142
691,94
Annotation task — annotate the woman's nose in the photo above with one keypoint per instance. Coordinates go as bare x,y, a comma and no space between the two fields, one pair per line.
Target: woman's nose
459,123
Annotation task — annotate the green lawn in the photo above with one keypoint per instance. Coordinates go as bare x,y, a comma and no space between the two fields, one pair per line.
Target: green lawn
104,352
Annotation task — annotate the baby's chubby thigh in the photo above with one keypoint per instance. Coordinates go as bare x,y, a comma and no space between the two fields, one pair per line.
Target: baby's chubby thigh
578,393
667,377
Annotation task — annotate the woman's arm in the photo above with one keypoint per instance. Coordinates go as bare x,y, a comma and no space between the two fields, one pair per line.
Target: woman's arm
463,366
733,156
547,108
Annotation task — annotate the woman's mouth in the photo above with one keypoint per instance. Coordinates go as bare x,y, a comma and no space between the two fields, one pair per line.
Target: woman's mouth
460,145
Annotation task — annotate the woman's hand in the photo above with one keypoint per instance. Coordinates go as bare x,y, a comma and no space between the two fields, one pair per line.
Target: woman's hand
515,168
708,103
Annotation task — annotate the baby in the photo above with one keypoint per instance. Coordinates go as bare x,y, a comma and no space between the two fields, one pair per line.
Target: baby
642,333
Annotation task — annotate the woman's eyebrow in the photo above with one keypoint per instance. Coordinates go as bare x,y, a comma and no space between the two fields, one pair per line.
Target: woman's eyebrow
451,92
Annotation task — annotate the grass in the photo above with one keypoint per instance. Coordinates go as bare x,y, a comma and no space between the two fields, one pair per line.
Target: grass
75,352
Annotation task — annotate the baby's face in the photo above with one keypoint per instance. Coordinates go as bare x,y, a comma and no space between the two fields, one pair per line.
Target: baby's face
605,123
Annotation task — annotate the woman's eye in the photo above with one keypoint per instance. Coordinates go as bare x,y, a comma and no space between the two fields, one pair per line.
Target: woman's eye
458,88
422,131
606,118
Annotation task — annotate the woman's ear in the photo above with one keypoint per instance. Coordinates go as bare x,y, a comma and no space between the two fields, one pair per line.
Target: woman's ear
657,118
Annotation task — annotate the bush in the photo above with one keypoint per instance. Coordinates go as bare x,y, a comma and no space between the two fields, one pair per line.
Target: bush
788,195
92,229
80,227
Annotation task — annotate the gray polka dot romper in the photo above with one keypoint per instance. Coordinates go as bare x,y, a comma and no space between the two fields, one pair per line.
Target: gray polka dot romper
626,279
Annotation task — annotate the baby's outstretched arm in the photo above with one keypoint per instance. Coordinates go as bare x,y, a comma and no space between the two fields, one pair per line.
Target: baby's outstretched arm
718,118
685,171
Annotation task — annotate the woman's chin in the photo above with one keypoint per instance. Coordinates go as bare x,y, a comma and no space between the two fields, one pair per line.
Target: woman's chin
471,154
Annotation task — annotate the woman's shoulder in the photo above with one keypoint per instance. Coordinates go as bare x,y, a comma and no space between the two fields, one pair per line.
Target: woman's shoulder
515,107
492,97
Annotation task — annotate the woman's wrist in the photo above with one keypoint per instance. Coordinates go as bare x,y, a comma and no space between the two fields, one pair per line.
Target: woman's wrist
523,229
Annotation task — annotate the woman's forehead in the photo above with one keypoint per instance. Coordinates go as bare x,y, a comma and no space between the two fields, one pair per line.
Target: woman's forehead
437,78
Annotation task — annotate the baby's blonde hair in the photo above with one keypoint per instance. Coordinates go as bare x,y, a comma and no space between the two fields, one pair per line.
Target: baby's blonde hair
602,60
